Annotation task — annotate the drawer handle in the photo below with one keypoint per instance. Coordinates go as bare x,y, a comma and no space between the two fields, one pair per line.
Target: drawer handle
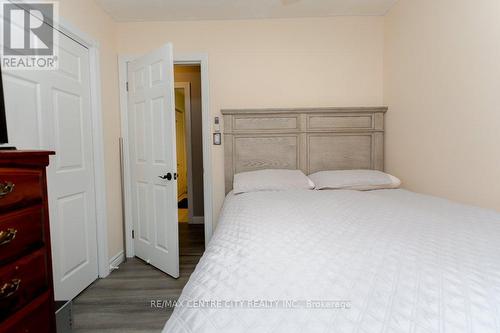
9,288
6,188
7,236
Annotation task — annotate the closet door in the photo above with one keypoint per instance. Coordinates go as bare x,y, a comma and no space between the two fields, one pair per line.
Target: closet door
51,109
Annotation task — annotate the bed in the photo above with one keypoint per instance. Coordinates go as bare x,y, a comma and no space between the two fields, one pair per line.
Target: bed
337,261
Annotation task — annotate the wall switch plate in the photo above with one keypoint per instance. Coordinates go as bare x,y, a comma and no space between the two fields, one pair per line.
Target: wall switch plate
217,139
216,125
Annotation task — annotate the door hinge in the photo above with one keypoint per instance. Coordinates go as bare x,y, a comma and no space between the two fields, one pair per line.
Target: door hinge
126,85
133,234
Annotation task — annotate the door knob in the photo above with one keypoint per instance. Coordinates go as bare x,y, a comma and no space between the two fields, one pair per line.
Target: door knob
168,176
175,175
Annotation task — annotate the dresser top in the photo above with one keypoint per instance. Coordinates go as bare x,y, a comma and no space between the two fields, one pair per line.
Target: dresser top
25,157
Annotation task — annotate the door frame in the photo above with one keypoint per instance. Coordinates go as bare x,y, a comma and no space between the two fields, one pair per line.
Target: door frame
179,58
189,157
103,266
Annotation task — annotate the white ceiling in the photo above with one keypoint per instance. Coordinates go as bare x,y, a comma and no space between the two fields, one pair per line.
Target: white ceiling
177,10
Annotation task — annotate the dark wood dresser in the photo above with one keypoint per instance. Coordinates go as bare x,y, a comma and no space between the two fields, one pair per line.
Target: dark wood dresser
26,288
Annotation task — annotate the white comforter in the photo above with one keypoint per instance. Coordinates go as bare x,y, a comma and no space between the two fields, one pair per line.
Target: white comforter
388,261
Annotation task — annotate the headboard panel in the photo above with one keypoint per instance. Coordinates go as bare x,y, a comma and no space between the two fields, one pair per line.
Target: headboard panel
309,139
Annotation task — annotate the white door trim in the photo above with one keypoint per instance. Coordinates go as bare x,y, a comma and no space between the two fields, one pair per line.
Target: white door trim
186,86
188,58
123,60
97,140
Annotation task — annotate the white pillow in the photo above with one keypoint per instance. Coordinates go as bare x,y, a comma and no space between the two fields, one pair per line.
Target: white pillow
362,180
271,180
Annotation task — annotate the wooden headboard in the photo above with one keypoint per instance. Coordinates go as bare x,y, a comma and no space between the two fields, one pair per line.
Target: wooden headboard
309,139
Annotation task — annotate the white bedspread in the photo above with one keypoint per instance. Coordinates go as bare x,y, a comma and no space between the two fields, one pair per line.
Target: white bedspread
400,261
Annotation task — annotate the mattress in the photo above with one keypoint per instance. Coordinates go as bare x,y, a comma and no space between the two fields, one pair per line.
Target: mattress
345,261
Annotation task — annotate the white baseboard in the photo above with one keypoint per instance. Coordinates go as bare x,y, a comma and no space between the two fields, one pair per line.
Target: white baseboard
197,220
116,260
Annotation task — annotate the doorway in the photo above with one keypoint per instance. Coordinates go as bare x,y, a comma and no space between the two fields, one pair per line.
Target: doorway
183,143
189,144
163,86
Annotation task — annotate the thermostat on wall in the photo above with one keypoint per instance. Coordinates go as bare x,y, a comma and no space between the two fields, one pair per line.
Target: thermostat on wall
217,139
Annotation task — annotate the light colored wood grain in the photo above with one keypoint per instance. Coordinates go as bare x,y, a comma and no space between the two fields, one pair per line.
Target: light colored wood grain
249,123
265,152
309,139
122,301
329,122
329,110
339,152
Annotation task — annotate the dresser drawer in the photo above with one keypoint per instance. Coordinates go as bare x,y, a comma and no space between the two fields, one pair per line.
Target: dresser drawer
20,232
20,188
22,281
34,318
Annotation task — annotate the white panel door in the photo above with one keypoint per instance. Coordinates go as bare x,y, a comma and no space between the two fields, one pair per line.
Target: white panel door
151,116
51,110
71,176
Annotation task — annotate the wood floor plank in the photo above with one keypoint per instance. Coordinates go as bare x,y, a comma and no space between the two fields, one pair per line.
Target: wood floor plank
122,301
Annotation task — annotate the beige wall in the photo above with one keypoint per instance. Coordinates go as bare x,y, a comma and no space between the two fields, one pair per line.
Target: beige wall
252,63
437,69
89,18
274,63
442,85
191,74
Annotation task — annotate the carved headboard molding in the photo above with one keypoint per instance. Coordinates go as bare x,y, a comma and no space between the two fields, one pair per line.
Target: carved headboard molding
309,139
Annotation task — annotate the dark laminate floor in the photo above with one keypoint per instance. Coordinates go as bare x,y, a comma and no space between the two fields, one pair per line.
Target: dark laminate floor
122,301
